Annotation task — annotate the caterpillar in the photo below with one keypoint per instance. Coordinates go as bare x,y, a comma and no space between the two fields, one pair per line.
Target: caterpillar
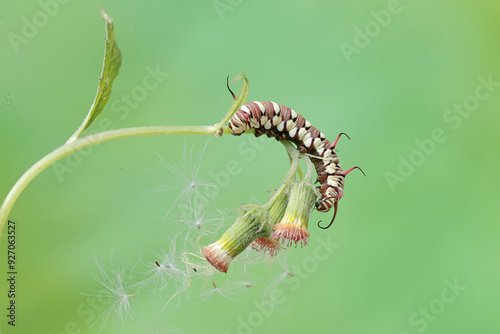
283,123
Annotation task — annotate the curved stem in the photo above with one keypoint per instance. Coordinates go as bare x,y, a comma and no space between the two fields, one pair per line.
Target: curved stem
87,141
310,169
294,156
237,103
73,145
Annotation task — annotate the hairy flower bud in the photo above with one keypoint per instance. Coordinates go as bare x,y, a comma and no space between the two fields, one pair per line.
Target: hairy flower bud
277,209
254,222
283,217
293,227
267,245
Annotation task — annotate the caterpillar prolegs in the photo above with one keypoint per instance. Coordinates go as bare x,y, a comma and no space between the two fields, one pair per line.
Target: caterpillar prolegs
280,122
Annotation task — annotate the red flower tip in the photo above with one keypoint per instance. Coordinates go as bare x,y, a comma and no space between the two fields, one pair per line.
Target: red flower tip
217,257
267,245
291,233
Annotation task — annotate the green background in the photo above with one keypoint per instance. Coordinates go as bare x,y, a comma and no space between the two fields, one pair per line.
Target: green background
398,247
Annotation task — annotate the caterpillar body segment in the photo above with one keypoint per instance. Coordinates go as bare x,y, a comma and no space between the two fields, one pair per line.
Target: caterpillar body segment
281,122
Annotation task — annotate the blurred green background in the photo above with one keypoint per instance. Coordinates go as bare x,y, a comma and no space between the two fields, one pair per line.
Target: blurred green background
388,73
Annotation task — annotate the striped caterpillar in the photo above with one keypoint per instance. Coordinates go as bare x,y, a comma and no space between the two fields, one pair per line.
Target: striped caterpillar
280,122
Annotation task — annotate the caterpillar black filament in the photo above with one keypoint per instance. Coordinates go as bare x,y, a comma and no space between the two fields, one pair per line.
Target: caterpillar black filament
280,122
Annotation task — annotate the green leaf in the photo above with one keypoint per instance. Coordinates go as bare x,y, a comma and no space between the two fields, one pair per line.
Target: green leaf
110,69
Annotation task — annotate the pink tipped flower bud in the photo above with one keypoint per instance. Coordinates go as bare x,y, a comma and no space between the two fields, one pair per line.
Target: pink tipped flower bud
217,255
252,223
267,245
292,229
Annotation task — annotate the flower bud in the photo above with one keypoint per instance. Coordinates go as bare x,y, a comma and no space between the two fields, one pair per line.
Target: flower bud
277,208
252,223
293,227
267,245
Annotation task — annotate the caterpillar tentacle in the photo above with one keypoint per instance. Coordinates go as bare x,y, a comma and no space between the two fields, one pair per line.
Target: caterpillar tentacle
283,123
335,206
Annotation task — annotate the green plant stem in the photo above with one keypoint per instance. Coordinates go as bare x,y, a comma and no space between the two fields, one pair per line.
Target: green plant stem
90,140
237,103
310,169
294,156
